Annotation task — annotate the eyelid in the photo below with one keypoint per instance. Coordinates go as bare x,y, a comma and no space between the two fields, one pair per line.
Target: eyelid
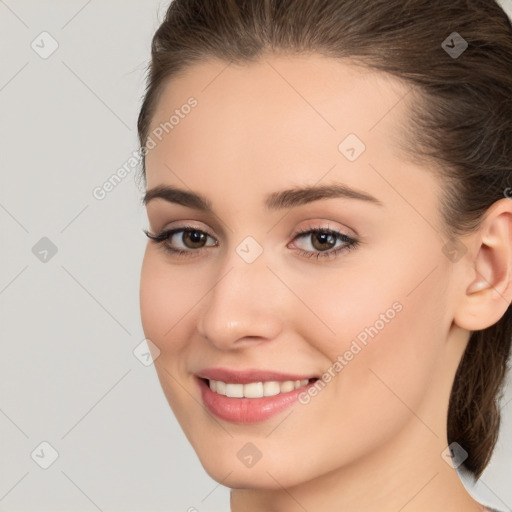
325,225
183,225
318,226
168,232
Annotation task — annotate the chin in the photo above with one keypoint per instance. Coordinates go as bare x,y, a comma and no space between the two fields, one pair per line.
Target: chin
270,473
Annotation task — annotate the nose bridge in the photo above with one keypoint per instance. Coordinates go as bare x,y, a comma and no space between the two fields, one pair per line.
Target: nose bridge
242,300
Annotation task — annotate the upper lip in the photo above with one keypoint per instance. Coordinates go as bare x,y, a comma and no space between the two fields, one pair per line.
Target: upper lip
249,375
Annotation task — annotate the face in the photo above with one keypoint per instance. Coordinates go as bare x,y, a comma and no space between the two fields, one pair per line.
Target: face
338,299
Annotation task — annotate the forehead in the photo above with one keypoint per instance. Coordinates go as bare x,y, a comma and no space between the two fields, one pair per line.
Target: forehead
276,122
333,95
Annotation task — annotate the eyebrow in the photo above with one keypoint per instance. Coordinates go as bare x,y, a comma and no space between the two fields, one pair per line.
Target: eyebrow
289,198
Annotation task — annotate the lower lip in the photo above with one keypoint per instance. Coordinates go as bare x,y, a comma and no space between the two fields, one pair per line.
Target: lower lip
247,410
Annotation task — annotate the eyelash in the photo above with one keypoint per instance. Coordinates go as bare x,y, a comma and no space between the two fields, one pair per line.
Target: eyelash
350,243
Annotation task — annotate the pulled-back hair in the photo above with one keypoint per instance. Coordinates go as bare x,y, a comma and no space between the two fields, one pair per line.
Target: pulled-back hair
460,121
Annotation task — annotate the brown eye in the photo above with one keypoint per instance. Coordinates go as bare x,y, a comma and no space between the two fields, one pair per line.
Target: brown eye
322,241
183,241
194,239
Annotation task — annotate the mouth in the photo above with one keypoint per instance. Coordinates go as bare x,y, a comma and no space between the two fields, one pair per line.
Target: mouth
250,396
258,389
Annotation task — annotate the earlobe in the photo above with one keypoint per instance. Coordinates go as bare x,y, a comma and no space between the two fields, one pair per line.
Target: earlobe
489,291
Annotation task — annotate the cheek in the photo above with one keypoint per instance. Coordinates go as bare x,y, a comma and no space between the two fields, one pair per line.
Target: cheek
154,300
378,380
390,320
167,295
396,364
383,300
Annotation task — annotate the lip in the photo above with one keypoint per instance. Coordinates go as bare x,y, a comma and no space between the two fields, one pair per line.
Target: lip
247,410
250,375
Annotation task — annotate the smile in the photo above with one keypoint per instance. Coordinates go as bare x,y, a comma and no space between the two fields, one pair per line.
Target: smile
255,389
249,396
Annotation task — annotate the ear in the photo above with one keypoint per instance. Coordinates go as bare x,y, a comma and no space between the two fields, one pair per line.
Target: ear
488,286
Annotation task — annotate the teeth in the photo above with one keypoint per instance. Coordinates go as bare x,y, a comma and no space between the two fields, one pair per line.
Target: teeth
287,386
235,390
271,388
255,389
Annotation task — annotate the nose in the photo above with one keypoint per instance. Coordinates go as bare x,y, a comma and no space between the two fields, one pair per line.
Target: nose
244,306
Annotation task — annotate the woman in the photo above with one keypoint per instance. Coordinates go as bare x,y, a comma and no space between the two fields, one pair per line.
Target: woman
328,278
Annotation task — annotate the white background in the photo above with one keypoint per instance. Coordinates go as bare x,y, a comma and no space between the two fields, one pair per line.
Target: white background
68,375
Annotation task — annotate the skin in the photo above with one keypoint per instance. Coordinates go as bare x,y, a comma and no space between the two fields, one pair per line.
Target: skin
372,438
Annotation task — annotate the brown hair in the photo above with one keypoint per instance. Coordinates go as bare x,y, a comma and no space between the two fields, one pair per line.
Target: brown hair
461,121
